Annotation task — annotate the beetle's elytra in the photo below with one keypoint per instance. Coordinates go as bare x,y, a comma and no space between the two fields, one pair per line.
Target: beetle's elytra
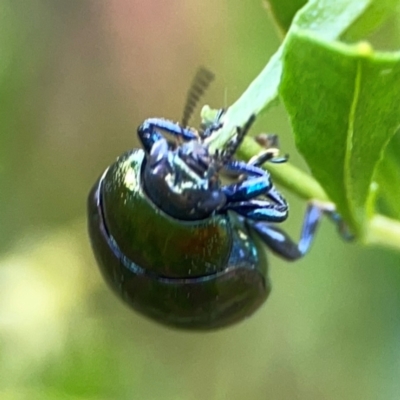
174,242
202,274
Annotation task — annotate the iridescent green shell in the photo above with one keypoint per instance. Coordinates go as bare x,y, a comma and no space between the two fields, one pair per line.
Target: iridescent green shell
196,275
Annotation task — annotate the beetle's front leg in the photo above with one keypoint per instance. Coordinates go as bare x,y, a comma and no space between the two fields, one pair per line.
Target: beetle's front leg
262,210
247,189
149,133
241,198
281,243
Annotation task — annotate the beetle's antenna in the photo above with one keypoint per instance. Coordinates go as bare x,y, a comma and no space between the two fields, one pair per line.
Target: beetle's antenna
200,83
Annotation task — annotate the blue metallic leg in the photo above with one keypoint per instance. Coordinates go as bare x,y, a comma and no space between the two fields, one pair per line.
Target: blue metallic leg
241,197
269,155
240,167
248,189
259,210
149,133
263,210
280,242
270,142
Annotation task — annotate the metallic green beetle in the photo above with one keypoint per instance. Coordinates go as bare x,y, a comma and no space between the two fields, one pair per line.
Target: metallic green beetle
174,242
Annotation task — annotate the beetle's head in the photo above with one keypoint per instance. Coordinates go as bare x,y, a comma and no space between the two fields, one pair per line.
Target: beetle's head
183,180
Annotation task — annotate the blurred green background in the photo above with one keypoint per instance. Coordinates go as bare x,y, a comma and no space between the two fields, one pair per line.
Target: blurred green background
76,79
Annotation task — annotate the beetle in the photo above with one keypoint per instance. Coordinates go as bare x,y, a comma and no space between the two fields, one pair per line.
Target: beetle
177,244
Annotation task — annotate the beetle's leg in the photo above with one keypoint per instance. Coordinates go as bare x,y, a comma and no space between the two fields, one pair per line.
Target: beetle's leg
233,169
247,189
268,155
241,196
262,210
270,143
259,210
240,167
149,133
281,243
257,182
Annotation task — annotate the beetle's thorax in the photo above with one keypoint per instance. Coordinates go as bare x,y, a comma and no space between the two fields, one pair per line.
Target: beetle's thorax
183,181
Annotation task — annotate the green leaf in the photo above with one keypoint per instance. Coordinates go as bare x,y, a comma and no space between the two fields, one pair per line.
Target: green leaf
344,105
283,11
388,176
317,67
376,13
328,20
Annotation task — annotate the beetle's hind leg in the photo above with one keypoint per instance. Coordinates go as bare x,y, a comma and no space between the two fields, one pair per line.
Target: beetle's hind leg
281,243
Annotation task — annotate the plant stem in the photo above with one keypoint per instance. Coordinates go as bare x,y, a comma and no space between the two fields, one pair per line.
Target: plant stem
261,94
383,231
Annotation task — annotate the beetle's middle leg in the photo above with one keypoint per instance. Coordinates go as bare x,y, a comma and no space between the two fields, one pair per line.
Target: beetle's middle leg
242,197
